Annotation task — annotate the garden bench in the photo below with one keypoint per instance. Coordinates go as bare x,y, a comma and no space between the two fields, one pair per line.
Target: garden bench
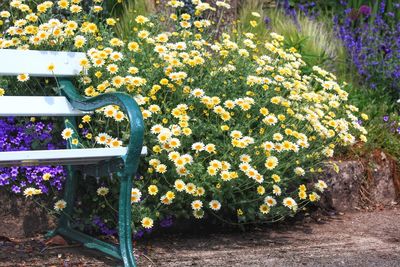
94,161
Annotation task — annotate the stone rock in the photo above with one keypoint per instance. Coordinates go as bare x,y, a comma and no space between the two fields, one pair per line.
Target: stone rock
343,191
381,176
352,184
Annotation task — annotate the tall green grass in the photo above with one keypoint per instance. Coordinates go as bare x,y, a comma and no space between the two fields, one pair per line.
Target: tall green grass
127,11
117,7
314,38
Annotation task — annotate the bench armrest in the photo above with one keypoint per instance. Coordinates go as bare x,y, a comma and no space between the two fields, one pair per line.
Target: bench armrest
127,104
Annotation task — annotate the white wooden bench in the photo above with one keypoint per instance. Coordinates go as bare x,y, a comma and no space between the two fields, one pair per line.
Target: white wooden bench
95,161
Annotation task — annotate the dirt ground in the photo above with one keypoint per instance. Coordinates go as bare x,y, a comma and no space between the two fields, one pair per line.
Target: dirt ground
351,239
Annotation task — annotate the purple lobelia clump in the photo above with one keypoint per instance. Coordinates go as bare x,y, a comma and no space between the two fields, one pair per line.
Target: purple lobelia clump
20,135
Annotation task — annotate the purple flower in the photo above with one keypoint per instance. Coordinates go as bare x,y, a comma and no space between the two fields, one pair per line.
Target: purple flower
385,118
167,222
386,50
267,22
382,7
365,10
16,189
104,229
373,48
139,234
85,131
21,134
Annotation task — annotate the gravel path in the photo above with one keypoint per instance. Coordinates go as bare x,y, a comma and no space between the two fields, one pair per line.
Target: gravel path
352,239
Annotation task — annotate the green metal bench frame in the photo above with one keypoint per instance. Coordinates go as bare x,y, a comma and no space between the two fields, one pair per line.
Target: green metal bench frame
130,164
103,161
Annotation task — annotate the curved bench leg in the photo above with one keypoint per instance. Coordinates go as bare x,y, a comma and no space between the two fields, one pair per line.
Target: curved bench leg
69,197
124,223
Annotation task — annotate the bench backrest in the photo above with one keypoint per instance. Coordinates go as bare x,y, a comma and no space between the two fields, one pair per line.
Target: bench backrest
35,63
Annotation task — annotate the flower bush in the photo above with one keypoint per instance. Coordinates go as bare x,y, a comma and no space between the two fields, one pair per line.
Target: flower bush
368,32
236,129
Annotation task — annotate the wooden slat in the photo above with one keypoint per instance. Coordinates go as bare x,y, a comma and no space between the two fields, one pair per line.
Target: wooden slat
61,156
37,106
35,63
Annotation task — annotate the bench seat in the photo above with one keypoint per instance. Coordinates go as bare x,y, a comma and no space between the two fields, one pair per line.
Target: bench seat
61,156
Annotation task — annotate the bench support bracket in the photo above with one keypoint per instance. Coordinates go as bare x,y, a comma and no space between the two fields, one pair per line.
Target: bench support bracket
124,250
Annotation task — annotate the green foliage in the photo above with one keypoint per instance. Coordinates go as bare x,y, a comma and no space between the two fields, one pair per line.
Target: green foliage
118,8
378,104
314,39
127,11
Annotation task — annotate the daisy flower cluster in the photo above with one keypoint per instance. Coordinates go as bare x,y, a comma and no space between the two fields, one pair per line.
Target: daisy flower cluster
234,124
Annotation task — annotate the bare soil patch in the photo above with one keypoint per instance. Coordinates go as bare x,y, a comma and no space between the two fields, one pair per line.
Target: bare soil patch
351,239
